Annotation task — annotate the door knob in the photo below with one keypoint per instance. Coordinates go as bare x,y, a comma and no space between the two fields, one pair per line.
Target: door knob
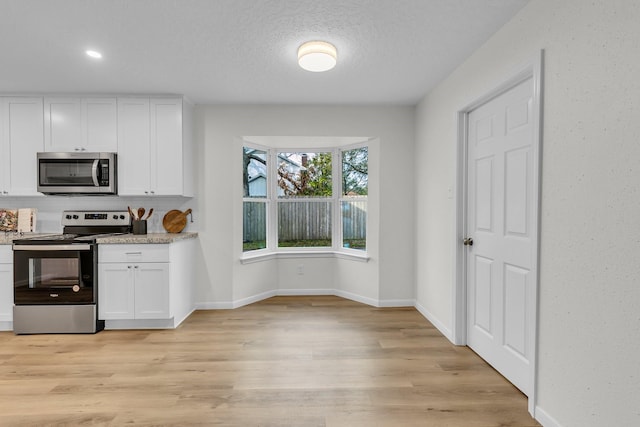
468,241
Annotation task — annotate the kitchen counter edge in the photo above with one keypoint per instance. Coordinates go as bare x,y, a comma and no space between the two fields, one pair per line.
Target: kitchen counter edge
150,238
8,238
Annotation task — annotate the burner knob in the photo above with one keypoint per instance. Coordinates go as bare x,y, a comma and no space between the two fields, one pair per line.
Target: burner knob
121,216
75,217
115,217
68,217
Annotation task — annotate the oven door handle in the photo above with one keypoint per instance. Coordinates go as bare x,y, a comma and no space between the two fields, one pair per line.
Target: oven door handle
94,172
73,247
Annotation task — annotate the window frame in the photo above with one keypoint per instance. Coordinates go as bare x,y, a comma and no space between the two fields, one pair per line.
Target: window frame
272,250
266,200
342,197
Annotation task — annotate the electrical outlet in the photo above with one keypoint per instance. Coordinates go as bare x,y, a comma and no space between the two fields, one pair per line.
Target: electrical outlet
300,269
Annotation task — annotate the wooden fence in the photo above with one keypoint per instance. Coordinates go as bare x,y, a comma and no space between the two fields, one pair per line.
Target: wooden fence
305,220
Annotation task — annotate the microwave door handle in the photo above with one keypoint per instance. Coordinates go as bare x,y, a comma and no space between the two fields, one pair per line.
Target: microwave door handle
94,172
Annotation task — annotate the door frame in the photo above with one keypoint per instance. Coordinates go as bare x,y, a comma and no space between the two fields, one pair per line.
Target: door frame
533,69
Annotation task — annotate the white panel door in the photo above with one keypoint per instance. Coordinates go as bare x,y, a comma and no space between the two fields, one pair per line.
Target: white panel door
501,221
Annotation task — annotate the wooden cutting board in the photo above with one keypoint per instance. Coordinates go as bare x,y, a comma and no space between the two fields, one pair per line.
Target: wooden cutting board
175,221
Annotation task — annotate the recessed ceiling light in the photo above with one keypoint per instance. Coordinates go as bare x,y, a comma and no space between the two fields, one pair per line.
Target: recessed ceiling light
317,56
93,54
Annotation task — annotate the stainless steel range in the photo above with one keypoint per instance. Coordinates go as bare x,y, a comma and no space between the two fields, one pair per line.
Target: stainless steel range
56,276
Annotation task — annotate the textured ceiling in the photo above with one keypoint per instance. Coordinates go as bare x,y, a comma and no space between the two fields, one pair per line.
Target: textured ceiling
242,51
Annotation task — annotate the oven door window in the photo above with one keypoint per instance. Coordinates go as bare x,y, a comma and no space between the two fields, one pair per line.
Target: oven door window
54,273
49,277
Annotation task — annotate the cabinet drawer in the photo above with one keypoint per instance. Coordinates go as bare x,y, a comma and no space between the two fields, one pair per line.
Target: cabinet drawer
133,253
6,254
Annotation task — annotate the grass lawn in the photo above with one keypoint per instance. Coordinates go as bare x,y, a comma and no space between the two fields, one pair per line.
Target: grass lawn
316,243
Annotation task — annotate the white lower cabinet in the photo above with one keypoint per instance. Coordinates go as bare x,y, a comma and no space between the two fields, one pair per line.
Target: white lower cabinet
6,288
145,285
133,291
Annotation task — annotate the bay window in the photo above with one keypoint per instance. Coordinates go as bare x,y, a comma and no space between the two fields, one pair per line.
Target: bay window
296,200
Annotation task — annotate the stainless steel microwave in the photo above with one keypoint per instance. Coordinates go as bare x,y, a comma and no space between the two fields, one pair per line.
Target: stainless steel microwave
77,173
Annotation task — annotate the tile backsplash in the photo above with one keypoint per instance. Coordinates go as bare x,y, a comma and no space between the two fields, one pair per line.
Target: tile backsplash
50,208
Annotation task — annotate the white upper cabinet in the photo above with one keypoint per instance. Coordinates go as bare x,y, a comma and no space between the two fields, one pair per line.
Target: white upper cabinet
21,138
151,135
134,173
154,156
81,124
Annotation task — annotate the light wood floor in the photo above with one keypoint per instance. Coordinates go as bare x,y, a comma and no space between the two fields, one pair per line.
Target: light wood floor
285,361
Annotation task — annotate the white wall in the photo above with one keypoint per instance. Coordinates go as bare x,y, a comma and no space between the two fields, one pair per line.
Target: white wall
388,277
589,304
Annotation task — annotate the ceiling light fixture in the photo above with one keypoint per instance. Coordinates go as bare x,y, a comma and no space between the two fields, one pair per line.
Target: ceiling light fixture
317,56
93,54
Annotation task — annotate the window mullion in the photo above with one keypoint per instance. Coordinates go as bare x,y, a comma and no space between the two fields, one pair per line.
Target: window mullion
336,177
272,201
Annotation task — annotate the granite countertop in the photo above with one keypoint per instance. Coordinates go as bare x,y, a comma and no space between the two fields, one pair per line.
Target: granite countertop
8,238
146,238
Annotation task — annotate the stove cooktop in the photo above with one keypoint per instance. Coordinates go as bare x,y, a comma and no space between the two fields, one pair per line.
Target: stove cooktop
84,227
66,238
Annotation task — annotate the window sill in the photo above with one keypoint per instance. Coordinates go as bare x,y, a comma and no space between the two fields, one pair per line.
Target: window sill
265,256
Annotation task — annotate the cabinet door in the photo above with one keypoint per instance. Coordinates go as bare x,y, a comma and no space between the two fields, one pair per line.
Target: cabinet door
23,139
6,292
134,156
116,293
100,122
152,291
166,150
63,124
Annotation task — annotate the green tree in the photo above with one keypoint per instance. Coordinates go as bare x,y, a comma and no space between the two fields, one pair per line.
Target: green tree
355,171
313,179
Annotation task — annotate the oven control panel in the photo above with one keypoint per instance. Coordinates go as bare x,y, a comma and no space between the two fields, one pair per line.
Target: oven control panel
99,218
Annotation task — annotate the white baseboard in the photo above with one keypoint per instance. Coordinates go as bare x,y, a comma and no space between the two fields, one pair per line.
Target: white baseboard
357,298
178,321
304,292
435,322
139,324
397,303
225,305
254,298
6,325
545,419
